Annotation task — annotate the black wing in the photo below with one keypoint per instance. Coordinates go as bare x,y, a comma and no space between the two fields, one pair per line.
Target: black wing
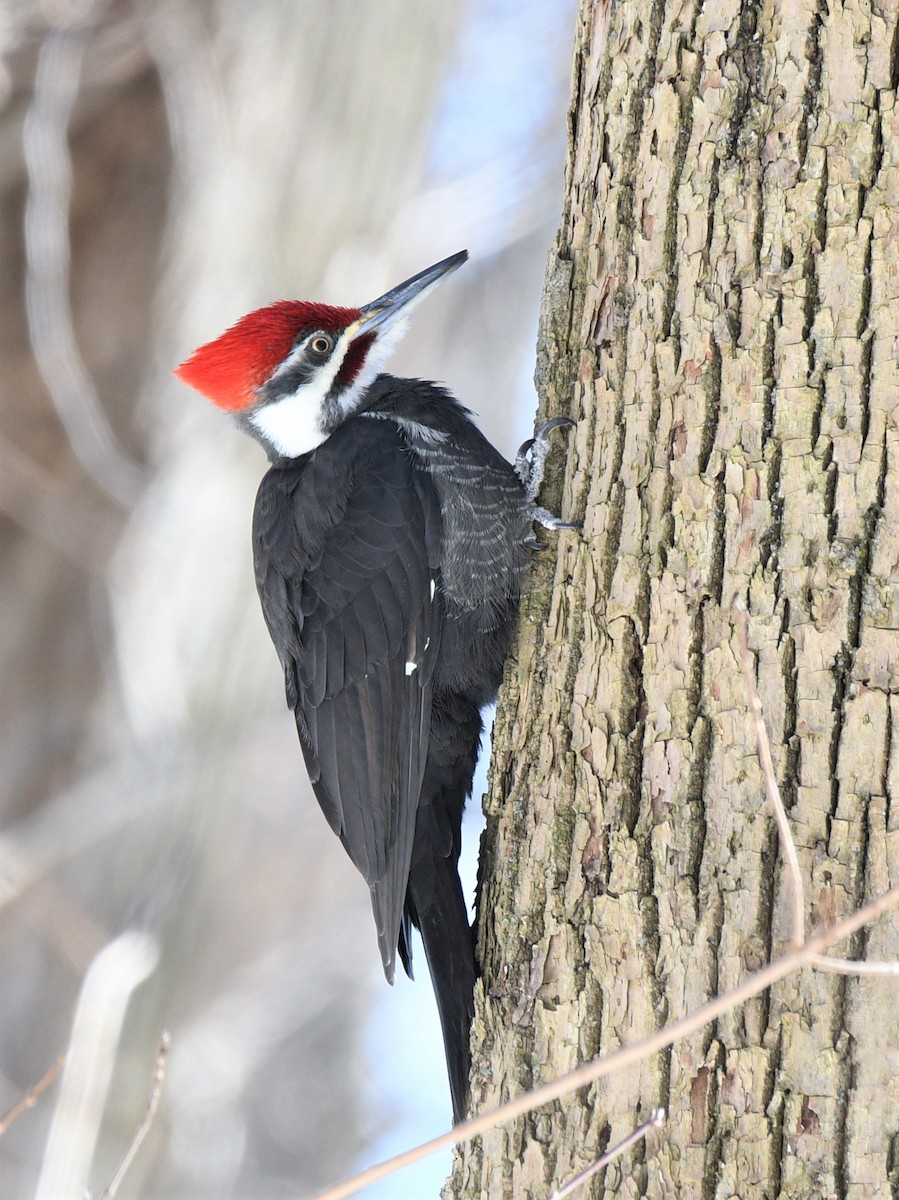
347,546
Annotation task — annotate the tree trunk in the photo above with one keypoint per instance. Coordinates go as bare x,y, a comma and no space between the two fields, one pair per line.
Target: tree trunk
722,319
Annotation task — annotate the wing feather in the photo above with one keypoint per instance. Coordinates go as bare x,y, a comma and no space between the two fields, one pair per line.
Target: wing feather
346,544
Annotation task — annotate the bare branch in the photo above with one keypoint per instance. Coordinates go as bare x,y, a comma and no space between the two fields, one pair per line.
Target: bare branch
61,922
82,533
599,1068
114,974
30,1099
48,163
656,1120
95,807
787,845
146,1121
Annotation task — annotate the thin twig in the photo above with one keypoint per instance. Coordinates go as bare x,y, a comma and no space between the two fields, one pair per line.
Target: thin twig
656,1120
821,962
146,1120
30,1099
849,966
598,1068
787,845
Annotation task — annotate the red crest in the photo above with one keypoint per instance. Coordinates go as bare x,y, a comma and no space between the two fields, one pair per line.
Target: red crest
229,369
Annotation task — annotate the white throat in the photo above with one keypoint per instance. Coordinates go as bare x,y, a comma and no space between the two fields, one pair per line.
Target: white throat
292,425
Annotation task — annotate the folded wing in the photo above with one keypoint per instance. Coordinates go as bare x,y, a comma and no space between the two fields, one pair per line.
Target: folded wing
356,611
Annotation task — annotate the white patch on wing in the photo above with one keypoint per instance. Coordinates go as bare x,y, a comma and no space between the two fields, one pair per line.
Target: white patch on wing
410,667
423,433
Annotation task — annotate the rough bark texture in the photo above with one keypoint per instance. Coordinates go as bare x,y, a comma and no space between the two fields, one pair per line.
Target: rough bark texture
722,319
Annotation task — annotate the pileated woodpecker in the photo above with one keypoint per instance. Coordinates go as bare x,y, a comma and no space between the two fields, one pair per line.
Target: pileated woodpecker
390,540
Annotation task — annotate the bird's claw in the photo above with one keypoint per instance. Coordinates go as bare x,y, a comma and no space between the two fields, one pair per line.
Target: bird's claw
531,458
545,518
553,423
529,466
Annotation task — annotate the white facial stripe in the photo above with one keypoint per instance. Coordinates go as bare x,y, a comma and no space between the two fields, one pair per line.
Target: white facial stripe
293,424
384,345
292,359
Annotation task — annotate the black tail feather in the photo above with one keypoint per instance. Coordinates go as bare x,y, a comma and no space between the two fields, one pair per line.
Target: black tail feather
436,906
435,903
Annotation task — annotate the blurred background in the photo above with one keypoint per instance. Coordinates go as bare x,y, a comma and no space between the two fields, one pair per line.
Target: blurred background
165,167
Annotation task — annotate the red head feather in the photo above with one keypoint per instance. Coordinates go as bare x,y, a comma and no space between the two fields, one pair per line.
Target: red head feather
229,369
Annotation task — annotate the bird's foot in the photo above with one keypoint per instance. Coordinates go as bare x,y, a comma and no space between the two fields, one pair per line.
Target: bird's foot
545,518
529,466
531,458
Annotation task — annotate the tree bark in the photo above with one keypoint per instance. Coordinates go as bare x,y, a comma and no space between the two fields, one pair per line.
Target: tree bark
722,319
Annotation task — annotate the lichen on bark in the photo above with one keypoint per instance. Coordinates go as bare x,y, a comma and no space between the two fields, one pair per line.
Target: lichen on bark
721,318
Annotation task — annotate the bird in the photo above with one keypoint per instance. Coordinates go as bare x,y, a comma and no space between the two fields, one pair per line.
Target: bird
390,544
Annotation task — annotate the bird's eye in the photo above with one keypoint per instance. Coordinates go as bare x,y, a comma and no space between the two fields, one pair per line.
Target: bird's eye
321,344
